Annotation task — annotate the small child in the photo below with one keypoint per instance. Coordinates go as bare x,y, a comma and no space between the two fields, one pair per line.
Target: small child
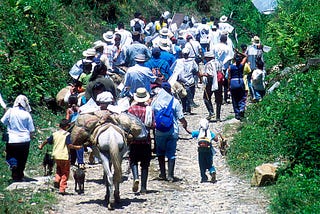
61,141
205,150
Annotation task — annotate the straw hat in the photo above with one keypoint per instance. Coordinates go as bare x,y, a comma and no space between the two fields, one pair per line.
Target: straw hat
141,95
105,97
89,52
108,36
98,44
164,31
255,40
140,58
185,51
164,45
166,14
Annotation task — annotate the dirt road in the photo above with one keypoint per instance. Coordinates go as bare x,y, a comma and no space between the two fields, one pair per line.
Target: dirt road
230,194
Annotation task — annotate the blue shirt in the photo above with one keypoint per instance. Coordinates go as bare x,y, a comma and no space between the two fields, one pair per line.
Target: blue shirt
161,64
167,57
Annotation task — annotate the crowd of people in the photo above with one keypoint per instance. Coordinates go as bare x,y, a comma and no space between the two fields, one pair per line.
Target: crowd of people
154,61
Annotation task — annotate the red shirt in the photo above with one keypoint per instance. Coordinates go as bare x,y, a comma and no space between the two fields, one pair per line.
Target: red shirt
139,110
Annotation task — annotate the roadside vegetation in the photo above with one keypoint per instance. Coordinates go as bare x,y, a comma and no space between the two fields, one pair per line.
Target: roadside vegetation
41,40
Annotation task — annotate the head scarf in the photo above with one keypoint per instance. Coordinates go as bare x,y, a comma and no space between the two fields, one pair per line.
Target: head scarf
204,129
22,101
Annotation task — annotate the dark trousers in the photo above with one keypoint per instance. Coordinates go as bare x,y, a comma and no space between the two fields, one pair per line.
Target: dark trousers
140,153
207,94
238,100
187,101
205,158
17,155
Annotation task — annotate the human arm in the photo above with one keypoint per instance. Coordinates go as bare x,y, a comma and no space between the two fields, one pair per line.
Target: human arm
185,124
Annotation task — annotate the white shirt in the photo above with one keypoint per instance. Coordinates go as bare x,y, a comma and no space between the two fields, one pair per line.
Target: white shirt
19,124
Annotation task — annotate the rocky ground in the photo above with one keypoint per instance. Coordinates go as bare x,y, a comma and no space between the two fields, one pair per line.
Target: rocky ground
230,194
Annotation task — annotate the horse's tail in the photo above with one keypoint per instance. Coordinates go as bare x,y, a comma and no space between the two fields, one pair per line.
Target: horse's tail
115,160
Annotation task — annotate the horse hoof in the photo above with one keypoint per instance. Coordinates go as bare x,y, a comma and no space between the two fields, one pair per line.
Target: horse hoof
111,206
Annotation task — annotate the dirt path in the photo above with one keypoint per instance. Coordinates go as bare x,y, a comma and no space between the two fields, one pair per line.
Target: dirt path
229,194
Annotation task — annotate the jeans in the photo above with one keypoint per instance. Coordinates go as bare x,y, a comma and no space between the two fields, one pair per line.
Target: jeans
166,144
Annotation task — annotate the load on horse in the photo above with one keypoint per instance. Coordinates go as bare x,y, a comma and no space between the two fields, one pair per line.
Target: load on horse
107,133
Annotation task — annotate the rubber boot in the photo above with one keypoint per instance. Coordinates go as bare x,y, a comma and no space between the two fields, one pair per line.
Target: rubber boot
171,164
144,179
218,112
162,166
135,174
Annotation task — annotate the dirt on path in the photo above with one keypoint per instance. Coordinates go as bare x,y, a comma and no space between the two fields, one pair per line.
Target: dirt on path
230,194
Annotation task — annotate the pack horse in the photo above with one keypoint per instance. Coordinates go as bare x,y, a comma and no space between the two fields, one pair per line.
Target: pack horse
109,144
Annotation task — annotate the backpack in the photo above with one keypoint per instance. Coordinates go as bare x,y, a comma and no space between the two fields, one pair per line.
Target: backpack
204,36
156,70
164,118
137,26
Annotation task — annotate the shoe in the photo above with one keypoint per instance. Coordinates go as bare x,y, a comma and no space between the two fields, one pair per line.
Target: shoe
135,185
56,185
194,105
209,117
213,177
212,119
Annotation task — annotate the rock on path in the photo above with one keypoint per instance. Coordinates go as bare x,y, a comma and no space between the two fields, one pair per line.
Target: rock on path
230,194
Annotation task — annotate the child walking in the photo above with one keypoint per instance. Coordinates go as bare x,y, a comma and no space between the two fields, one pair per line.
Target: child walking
61,145
205,150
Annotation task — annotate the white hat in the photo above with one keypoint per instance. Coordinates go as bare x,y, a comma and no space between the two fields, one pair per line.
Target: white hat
166,14
105,97
223,18
89,52
98,44
108,36
164,31
164,45
22,100
185,51
255,40
140,58
141,95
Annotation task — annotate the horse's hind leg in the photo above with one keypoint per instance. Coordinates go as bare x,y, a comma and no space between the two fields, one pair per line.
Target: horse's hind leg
108,181
116,192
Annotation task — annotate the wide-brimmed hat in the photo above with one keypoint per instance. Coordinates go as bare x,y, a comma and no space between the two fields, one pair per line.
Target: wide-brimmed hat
164,31
209,54
108,36
140,58
166,15
98,44
89,52
255,40
164,45
141,95
223,18
185,51
104,97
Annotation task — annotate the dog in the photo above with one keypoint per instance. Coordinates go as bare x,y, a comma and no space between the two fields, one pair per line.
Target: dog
223,145
79,177
47,163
